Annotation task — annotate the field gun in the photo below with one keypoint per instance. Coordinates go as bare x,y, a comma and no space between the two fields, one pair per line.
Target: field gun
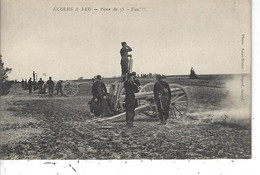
180,100
179,106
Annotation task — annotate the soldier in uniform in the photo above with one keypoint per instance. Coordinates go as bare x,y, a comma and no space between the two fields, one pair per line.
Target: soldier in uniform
124,58
162,96
50,85
99,92
59,88
130,103
30,85
40,84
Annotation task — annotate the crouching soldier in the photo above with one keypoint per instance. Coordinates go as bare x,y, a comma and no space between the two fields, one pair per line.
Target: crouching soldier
162,96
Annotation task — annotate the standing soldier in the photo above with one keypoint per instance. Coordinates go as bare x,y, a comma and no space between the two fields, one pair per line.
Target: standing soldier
124,59
130,103
40,84
50,85
30,85
59,88
162,96
99,92
22,82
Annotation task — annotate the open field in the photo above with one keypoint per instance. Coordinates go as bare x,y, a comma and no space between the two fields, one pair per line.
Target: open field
218,125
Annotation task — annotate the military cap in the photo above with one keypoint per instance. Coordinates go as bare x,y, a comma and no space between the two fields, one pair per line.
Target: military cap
99,77
130,75
158,77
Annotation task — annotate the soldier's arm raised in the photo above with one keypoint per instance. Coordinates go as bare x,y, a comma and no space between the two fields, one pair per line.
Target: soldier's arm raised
129,49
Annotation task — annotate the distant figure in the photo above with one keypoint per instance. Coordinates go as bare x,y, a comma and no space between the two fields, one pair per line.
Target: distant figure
130,102
59,87
40,84
162,96
193,74
30,85
22,82
124,59
93,80
50,86
99,92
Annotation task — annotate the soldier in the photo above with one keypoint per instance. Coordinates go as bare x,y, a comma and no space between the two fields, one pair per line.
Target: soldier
30,85
130,103
99,92
22,82
59,87
50,85
40,84
124,59
162,96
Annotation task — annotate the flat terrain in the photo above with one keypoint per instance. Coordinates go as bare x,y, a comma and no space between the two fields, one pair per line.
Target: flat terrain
36,127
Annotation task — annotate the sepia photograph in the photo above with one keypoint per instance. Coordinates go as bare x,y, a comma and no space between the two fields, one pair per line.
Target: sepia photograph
125,80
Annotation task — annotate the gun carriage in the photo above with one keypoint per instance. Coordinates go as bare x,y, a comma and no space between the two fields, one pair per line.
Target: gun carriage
179,106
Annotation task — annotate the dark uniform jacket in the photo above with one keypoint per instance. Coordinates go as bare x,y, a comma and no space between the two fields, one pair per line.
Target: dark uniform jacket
30,83
99,90
40,83
59,85
124,51
131,88
50,84
162,88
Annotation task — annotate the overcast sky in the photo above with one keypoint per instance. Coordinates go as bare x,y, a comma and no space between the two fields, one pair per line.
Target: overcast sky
167,36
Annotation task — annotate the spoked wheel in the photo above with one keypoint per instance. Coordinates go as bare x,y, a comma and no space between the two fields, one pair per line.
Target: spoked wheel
70,88
152,109
180,101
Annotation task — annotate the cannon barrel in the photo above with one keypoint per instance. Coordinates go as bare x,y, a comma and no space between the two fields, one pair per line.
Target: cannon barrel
147,95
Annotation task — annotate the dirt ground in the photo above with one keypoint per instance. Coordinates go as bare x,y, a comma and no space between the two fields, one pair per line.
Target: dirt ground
36,127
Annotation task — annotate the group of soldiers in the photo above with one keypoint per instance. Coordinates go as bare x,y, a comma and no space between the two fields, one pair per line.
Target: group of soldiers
131,84
162,92
41,86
